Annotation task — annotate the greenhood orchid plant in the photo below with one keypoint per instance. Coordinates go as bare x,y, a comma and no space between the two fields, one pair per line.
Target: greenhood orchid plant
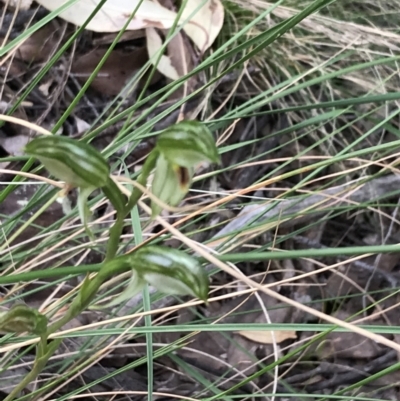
178,150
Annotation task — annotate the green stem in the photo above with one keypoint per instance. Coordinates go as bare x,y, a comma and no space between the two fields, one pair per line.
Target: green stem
25,381
122,212
118,200
147,168
73,311
89,289
43,354
115,235
77,306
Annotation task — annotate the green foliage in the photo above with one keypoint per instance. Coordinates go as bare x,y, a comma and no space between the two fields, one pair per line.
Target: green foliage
22,319
310,74
178,150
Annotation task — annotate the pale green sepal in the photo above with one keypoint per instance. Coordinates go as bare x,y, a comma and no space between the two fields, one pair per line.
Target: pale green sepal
170,183
83,209
168,285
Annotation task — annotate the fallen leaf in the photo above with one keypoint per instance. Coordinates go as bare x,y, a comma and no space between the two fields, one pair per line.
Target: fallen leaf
15,68
266,337
347,345
116,72
114,14
179,53
204,19
108,38
40,45
206,22
241,354
164,63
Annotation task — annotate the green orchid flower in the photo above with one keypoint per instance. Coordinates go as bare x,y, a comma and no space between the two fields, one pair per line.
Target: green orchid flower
74,162
181,147
170,271
80,166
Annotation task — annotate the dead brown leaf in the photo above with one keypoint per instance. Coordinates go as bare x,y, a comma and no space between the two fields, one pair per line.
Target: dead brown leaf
116,72
40,45
108,38
241,354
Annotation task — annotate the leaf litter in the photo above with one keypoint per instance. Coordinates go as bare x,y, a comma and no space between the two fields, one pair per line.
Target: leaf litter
221,359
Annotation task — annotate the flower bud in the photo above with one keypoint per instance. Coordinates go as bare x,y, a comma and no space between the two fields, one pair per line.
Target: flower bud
187,144
77,163
21,319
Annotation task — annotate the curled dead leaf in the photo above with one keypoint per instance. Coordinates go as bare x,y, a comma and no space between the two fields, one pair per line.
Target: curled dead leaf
205,22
